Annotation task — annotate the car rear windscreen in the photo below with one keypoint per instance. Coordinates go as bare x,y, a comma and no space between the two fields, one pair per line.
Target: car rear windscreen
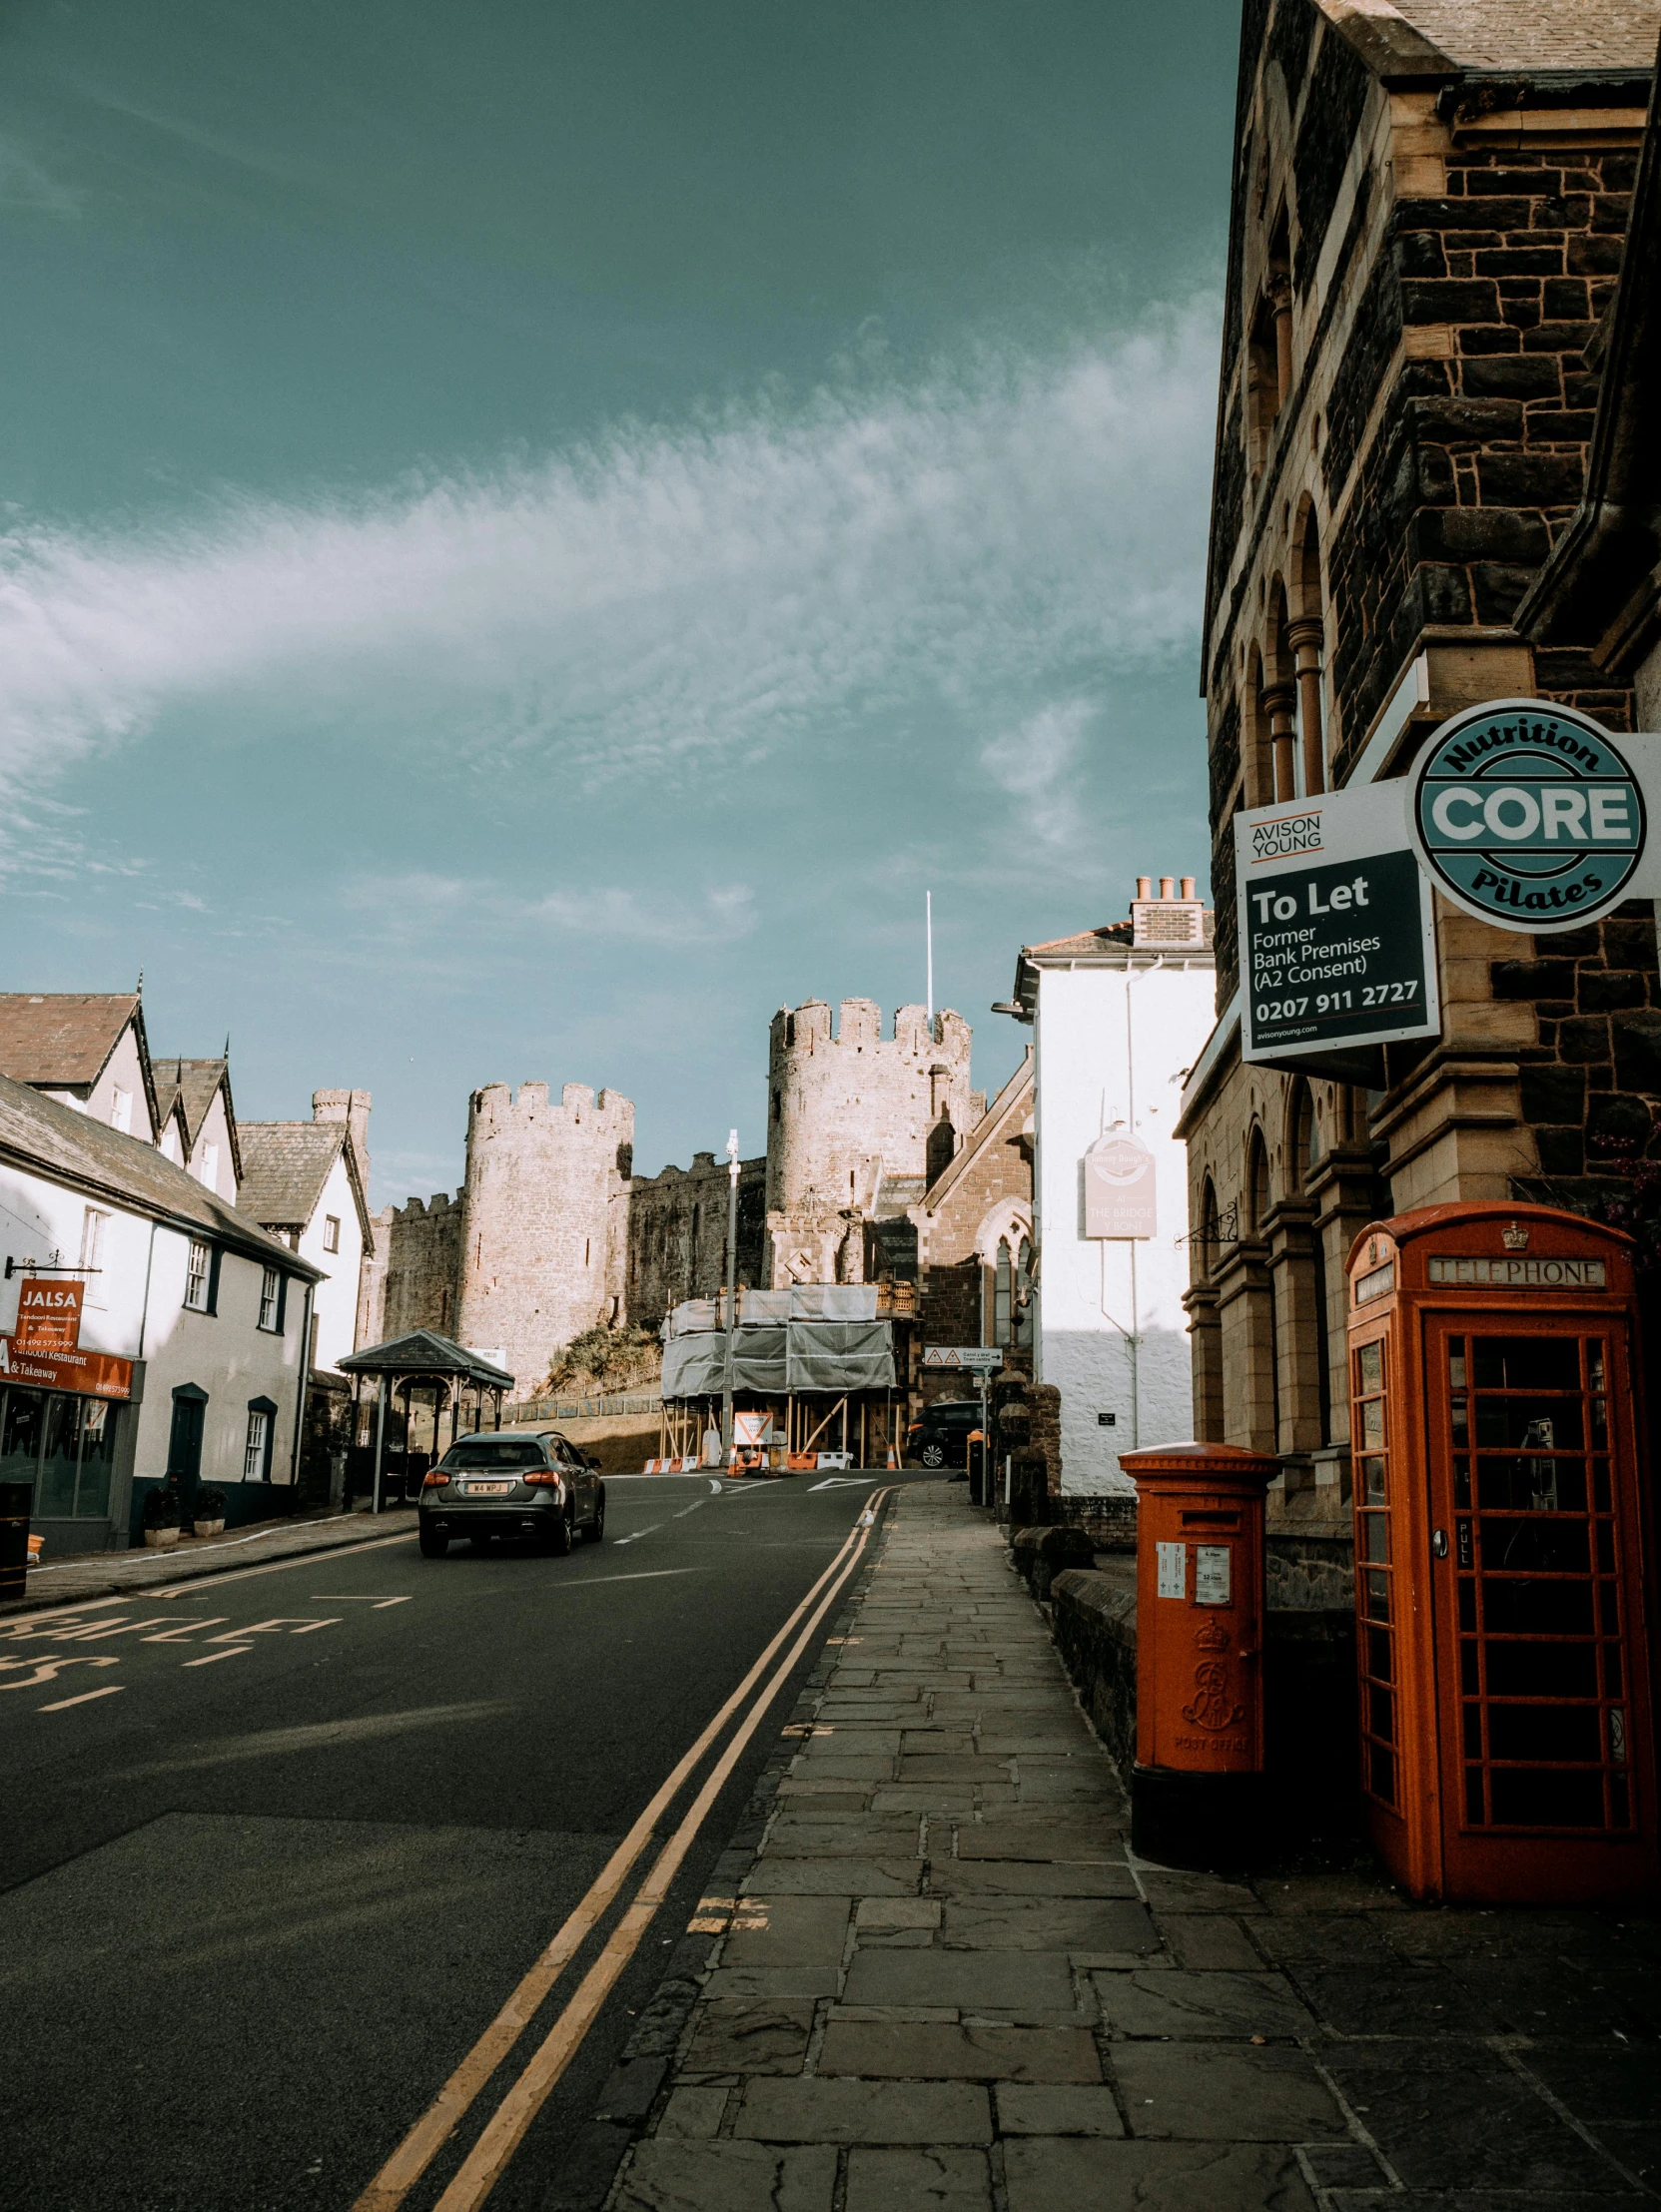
473,1459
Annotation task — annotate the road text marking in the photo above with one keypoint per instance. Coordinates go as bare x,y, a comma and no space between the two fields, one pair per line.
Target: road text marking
235,1652
110,1690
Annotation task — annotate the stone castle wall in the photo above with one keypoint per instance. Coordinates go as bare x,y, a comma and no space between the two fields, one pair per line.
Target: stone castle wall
542,1257
676,1235
849,1112
419,1249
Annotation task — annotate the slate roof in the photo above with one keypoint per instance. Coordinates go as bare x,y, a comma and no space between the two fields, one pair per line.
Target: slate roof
53,1139
61,1038
424,1352
193,1083
285,1167
1529,35
993,1122
1080,946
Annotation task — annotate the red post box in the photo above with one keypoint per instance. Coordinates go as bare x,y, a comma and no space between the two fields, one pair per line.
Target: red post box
1195,1788
1507,1754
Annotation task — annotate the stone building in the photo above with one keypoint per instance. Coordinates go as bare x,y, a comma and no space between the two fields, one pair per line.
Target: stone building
975,1239
676,1235
1428,216
858,1125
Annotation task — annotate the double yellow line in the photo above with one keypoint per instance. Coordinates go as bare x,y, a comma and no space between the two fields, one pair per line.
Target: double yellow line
504,2130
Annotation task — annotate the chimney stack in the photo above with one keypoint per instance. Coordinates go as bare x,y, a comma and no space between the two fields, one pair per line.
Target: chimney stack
1167,887
1145,886
1188,887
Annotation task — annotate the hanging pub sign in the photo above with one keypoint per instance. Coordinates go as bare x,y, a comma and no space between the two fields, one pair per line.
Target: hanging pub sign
1120,1198
1337,942
1529,814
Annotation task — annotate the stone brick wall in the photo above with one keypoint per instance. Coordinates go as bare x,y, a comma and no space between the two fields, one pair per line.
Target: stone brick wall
540,1245
423,1249
677,1234
985,1196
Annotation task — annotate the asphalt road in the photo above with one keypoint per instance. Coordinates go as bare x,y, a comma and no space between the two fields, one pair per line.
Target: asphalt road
274,1852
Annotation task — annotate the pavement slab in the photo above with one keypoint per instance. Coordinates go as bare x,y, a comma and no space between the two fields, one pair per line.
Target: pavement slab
947,1982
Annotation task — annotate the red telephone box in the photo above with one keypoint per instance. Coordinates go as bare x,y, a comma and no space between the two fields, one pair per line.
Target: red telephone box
1508,1753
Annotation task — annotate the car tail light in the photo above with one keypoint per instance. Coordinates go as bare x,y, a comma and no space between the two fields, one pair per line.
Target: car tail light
543,1477
433,1479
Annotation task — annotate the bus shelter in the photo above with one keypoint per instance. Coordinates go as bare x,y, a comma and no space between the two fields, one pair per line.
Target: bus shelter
416,1381
811,1369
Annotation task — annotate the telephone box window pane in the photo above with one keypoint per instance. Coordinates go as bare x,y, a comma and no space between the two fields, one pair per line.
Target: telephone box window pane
1456,1363
56,1495
1542,1670
1473,1732
1377,1595
1382,1773
1461,1483
1533,1485
1609,1609
1467,1607
1611,1669
1620,1815
1594,1361
1375,1537
1473,1795
1600,1424
1381,1708
1525,1362
1533,1547
1379,1654
1469,1681
1459,1415
1372,1481
1372,1423
1605,1548
1544,1731
1369,1367
1617,1736
1600,1484
1546,1796
1536,1608
1523,1424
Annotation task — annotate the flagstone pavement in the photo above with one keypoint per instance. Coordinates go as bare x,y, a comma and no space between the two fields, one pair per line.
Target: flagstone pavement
945,1982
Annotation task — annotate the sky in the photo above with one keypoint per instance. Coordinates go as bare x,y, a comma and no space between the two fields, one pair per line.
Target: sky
532,531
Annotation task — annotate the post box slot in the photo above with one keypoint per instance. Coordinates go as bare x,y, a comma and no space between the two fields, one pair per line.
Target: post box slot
1210,1520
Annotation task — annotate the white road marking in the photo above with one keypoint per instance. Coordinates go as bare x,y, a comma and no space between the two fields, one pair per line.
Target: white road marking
59,1612
236,1651
275,1566
296,1624
686,1509
186,1629
351,1597
636,1538
845,1482
50,1668
714,1486
655,1574
110,1690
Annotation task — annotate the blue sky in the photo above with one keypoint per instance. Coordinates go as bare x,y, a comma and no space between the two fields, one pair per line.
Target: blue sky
535,532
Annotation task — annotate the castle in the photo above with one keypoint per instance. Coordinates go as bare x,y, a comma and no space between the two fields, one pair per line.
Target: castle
554,1234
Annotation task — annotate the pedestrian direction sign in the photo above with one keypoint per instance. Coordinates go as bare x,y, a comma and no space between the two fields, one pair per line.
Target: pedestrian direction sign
977,1358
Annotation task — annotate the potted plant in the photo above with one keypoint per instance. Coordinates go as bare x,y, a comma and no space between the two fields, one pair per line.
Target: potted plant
208,1512
161,1517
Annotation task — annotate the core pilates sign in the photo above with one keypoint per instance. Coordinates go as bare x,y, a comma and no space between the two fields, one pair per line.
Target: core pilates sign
1529,814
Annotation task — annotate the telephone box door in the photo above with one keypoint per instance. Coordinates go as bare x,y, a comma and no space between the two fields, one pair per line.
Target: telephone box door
1542,1719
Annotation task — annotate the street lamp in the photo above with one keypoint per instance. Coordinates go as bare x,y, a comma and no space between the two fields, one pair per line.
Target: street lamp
732,1296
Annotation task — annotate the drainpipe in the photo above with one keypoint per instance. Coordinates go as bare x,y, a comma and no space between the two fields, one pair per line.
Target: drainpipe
305,1382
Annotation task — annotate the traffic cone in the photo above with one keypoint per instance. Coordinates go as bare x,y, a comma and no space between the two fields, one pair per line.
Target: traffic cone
893,1457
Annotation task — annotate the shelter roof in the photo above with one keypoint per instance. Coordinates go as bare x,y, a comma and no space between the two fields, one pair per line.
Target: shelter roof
55,1140
285,1165
426,1352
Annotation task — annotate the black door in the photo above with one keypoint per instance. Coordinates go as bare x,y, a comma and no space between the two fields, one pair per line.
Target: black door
184,1449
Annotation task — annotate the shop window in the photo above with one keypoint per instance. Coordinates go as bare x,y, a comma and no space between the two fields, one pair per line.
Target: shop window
65,1447
331,1233
20,1428
55,1492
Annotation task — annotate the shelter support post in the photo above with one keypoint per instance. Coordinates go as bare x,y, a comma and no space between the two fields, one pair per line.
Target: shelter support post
380,1442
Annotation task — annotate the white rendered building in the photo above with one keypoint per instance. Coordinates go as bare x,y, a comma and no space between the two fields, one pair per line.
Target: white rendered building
1119,1015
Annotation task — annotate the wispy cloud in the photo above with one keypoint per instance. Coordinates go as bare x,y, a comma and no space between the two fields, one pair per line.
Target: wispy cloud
665,597
1035,765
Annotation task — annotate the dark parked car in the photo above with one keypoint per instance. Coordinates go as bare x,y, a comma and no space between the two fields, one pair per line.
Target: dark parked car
940,1436
524,1483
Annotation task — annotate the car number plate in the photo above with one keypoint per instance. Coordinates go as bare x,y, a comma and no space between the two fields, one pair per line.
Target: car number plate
488,1489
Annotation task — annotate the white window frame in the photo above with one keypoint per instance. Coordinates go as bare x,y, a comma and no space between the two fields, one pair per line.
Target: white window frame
94,1223
331,1233
209,1177
121,1110
198,1278
271,1298
253,1445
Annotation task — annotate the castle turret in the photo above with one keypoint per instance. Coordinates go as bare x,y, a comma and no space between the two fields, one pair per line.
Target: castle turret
540,1258
854,1115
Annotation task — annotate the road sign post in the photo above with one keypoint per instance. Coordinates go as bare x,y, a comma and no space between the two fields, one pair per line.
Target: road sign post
982,1360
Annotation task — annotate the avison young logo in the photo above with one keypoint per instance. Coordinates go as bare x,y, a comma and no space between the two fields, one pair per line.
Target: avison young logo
1527,815
1292,833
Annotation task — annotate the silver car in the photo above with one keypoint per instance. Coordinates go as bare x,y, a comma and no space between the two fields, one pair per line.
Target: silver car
506,1484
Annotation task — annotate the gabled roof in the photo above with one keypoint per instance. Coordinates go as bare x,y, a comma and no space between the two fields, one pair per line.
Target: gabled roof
285,1165
53,1139
424,1352
192,1084
62,1039
1503,35
1080,946
992,1125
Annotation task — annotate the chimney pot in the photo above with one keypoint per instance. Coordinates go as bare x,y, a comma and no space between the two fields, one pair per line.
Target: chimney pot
1145,886
1188,887
1167,887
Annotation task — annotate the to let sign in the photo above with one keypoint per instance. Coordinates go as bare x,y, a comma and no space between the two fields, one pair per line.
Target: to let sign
48,1315
1336,933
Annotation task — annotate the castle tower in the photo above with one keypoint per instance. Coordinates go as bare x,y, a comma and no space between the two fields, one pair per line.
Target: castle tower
539,1245
855,1120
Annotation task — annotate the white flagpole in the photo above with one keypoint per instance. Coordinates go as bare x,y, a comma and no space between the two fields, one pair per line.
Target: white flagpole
928,928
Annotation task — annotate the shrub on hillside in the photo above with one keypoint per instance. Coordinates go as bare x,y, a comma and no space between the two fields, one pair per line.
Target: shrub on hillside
603,1359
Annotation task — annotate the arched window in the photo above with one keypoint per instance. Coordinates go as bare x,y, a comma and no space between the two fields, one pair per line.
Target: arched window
1307,643
1003,1294
1256,1182
1300,1125
1024,1293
